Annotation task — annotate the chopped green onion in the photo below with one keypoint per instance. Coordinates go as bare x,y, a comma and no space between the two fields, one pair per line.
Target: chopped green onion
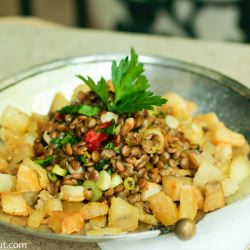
59,171
109,145
45,162
52,177
129,183
96,192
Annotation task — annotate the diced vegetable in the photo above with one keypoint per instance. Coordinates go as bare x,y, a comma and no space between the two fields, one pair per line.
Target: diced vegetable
207,173
96,191
104,180
223,152
59,171
105,231
45,162
157,145
123,215
94,209
152,188
15,120
129,183
171,121
52,177
58,102
72,193
214,197
172,185
72,206
27,179
239,169
188,203
7,183
164,208
66,222
14,204
52,205
35,219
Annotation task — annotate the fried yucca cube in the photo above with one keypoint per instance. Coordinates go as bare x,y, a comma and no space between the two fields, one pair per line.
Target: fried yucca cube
58,102
27,179
14,204
172,185
123,215
72,193
164,208
52,205
36,217
96,223
94,209
214,197
66,222
7,183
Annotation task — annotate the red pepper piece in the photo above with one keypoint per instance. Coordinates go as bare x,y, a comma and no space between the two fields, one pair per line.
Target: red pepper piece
94,139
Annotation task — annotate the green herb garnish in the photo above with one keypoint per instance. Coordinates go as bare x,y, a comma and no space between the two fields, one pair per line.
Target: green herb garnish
68,138
108,131
101,164
80,109
109,145
82,159
131,87
45,162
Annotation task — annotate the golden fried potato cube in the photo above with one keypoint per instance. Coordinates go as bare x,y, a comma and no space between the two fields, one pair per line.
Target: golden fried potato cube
151,189
164,208
15,120
223,152
58,102
72,206
96,223
207,120
52,205
198,195
41,172
66,222
36,217
7,183
94,209
105,231
14,204
188,203
214,197
172,185
123,215
221,134
72,193
3,164
145,217
27,179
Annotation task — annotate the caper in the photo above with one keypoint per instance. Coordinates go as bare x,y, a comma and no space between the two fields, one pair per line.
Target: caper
185,229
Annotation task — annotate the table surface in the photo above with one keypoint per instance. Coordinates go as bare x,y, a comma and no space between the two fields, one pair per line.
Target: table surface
29,42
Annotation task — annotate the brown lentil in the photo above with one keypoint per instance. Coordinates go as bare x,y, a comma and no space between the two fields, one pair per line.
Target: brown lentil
93,175
96,156
119,188
142,183
88,194
126,150
75,164
110,192
133,198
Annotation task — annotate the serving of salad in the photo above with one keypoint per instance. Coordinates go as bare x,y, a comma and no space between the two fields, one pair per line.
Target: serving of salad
117,158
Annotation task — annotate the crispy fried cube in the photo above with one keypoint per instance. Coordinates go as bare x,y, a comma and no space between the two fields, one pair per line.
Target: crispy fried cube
105,231
27,179
123,215
214,197
145,217
66,222
172,185
36,217
14,204
94,209
72,193
96,223
188,203
7,183
58,102
52,205
15,120
164,208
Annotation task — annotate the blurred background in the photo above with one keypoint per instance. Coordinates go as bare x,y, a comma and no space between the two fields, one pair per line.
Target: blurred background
208,19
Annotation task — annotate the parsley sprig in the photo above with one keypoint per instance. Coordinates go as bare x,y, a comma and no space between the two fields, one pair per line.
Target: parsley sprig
130,85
